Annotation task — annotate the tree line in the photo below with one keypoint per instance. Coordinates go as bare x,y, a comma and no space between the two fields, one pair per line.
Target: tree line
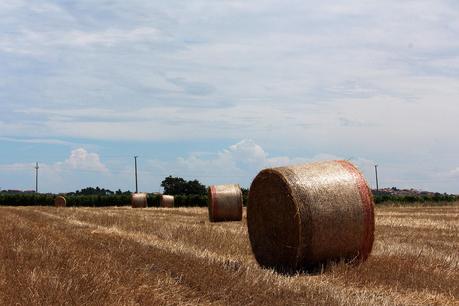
186,193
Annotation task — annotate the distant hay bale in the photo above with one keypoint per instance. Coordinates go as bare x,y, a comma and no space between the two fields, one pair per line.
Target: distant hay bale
139,200
60,201
166,201
225,203
302,216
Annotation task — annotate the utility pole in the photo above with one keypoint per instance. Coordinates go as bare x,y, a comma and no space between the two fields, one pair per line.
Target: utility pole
36,177
376,172
136,186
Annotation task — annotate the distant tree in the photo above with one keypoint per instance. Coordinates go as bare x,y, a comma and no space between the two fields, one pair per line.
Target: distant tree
93,191
173,185
245,195
177,185
195,187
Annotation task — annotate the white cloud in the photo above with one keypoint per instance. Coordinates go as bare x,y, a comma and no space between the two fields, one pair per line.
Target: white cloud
32,42
79,170
80,159
37,141
110,36
17,167
454,173
246,151
239,163
376,78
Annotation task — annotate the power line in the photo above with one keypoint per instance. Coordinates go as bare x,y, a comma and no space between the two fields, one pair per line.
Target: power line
124,171
136,186
36,177
376,177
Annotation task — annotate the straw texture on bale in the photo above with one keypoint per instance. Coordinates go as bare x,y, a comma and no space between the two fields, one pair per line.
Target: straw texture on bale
225,203
60,201
167,201
139,200
302,216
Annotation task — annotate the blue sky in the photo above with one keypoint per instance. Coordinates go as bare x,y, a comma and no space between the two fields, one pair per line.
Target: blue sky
217,90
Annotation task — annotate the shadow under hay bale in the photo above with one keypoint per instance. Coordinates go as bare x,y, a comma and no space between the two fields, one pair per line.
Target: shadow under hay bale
301,217
139,200
60,201
225,203
166,201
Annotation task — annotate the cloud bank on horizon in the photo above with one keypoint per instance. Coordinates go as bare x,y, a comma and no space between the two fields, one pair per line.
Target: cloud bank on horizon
256,84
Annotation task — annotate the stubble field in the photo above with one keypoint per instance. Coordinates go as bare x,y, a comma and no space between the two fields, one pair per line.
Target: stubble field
154,256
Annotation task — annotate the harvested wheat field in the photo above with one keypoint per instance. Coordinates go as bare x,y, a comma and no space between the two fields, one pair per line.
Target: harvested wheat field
153,256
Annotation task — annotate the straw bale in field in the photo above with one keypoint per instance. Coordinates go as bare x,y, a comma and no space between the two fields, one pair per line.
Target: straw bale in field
225,203
302,216
139,200
60,201
167,201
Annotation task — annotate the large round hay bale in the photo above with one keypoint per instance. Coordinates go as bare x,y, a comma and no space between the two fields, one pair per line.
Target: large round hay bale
139,200
60,201
225,203
166,201
300,217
